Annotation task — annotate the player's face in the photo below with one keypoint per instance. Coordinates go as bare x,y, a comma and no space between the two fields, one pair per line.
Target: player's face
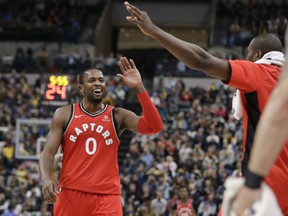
94,88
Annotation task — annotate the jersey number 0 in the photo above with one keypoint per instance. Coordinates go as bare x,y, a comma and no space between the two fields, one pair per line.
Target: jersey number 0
91,146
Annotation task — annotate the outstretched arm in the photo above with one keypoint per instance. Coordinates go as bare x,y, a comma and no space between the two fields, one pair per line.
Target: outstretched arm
271,132
191,54
151,121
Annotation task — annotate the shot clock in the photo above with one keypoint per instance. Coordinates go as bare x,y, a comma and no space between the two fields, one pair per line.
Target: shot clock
55,91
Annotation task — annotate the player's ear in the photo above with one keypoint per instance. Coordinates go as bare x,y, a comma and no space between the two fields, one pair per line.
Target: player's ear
258,55
81,88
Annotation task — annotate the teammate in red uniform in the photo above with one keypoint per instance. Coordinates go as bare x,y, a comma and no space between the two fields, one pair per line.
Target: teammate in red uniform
184,206
273,131
88,133
255,78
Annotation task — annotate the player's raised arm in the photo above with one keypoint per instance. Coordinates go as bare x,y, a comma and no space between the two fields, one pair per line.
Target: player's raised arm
192,55
151,121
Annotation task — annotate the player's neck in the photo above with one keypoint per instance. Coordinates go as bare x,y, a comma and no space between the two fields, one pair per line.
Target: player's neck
93,107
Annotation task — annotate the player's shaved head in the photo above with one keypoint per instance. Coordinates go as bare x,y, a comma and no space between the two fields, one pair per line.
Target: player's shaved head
266,43
82,74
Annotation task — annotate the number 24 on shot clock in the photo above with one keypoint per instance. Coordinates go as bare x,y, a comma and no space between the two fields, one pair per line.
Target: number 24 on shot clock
56,89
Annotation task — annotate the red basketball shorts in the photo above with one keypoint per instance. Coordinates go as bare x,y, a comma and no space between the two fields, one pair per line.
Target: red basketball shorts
76,203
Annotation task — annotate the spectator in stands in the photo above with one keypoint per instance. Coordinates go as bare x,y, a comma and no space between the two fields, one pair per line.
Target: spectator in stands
20,61
9,211
159,204
43,59
234,37
85,60
145,209
133,195
3,196
208,206
155,99
7,61
110,62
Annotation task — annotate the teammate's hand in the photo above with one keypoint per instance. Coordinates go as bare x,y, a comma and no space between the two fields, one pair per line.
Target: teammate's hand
130,74
141,19
245,198
49,190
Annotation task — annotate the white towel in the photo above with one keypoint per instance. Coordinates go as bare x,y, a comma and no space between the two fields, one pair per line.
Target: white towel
237,105
274,57
266,206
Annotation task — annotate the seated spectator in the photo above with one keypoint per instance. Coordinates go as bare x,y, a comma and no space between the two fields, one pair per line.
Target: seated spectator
159,204
208,206
145,209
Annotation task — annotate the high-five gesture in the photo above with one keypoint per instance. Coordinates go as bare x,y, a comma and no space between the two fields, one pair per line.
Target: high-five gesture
130,74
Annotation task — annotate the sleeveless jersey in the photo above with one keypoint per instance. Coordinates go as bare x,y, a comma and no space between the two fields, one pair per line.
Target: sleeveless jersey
90,152
185,209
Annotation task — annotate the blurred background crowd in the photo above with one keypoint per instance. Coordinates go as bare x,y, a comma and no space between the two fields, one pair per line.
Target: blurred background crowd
201,143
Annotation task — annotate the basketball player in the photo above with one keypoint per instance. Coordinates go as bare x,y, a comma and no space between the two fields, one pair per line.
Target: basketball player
255,77
88,133
271,131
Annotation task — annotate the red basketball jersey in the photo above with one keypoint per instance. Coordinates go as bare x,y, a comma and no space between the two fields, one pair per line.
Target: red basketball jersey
90,152
185,209
256,82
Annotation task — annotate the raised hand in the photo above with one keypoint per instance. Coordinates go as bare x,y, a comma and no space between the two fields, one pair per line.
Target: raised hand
130,74
141,19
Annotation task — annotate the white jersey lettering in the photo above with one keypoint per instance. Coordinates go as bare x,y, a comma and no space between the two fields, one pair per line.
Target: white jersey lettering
72,138
85,127
78,131
106,134
109,141
92,126
99,128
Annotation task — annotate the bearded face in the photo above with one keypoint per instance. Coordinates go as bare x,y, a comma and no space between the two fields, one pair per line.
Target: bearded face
93,87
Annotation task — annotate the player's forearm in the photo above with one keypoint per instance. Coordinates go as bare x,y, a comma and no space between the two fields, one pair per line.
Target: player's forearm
151,121
271,132
268,147
190,54
46,166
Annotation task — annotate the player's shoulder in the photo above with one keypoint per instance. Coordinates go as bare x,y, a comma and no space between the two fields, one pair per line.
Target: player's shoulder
248,66
66,108
242,62
63,112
